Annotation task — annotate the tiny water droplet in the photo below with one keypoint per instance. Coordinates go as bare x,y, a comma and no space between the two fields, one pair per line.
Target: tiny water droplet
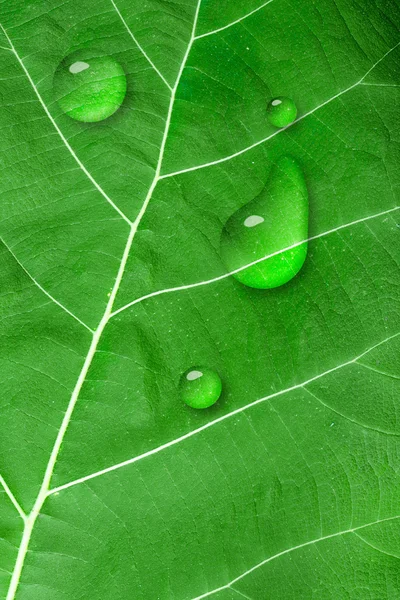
281,111
200,387
276,219
89,87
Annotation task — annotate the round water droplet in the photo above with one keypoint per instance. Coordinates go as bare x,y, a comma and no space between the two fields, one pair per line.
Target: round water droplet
281,111
276,219
200,387
89,87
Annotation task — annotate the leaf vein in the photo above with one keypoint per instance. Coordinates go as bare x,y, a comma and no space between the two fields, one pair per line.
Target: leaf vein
262,141
142,50
42,289
375,548
45,485
60,133
288,550
233,22
233,413
255,262
337,412
12,498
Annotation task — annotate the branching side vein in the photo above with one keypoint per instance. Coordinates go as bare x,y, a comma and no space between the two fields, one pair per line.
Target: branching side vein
229,415
255,262
12,498
60,133
263,140
310,543
233,22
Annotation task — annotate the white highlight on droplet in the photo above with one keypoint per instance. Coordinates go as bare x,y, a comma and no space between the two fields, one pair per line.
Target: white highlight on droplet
276,102
78,66
194,375
253,220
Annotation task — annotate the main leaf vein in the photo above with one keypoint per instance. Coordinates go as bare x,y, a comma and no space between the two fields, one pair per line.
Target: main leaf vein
45,485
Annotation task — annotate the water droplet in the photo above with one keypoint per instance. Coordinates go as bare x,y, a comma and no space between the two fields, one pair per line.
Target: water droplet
200,387
278,219
89,87
281,111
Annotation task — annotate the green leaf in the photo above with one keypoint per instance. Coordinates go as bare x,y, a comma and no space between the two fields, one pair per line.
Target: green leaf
112,287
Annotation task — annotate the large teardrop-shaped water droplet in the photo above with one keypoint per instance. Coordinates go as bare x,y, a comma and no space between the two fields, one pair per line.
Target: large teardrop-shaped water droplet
200,387
89,87
276,219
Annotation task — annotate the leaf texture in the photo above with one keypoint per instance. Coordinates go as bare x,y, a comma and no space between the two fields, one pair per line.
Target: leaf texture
113,286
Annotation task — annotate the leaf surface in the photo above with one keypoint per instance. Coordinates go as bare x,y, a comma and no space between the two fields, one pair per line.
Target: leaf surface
113,286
